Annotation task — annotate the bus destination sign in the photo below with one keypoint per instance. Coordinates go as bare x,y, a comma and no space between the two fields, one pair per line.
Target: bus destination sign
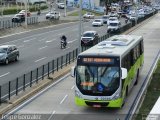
98,60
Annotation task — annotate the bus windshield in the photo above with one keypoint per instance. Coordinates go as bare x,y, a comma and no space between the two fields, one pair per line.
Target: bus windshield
98,80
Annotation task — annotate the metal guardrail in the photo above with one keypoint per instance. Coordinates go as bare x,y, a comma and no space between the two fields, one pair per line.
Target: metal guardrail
27,80
5,24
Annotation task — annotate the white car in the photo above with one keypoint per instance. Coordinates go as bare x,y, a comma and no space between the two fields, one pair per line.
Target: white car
88,15
97,22
133,17
112,19
114,14
114,26
24,12
105,18
61,5
53,15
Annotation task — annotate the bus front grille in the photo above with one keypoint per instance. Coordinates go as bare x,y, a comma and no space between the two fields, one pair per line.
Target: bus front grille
101,104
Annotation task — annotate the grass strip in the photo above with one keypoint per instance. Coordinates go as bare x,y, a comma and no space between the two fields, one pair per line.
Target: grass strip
83,12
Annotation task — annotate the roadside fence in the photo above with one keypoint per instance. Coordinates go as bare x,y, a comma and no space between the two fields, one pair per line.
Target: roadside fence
4,24
27,80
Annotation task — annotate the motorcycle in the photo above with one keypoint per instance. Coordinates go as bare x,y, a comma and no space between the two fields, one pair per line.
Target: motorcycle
63,44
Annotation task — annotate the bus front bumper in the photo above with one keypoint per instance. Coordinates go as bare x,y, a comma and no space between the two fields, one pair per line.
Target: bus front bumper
117,103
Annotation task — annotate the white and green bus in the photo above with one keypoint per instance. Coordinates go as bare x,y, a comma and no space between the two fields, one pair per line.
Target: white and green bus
106,72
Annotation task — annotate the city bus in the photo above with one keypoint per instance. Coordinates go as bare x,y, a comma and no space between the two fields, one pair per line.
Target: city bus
106,72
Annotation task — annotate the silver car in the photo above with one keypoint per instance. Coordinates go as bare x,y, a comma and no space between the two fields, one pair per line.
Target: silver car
8,53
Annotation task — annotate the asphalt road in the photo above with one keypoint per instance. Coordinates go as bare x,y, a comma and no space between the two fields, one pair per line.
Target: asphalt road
39,47
58,102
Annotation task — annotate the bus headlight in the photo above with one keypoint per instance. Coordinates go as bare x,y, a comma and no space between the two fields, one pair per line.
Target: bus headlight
77,94
117,95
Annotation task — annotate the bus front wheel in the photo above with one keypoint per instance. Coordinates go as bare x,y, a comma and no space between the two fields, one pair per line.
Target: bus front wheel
126,94
136,82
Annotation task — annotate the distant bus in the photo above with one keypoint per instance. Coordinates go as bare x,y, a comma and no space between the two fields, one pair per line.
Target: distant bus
106,72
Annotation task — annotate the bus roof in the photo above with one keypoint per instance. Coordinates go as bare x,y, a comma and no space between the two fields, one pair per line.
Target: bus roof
117,45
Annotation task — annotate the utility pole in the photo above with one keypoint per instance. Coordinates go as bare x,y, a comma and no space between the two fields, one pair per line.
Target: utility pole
80,25
28,4
25,13
65,8
136,4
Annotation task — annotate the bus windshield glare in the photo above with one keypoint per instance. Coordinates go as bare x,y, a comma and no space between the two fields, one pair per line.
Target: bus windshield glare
98,80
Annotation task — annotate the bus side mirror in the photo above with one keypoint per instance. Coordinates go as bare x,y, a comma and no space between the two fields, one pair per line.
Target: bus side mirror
124,73
73,71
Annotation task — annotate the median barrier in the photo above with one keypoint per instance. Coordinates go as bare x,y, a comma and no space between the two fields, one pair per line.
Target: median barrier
5,24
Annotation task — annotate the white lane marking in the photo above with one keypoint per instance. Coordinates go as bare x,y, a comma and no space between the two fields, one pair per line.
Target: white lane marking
63,99
29,40
42,47
66,48
20,46
50,40
72,41
34,97
40,59
5,74
72,87
60,34
51,115
42,39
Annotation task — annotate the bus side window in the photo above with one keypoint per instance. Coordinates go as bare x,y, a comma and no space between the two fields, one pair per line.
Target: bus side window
134,55
126,62
138,51
141,48
131,57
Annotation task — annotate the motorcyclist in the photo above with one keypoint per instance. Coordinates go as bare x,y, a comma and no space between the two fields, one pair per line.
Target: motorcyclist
64,40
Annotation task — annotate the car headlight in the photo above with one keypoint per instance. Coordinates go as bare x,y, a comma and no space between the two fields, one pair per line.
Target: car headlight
3,57
117,95
77,94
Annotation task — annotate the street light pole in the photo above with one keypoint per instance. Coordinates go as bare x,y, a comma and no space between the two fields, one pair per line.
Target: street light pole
80,25
65,8
136,3
26,13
